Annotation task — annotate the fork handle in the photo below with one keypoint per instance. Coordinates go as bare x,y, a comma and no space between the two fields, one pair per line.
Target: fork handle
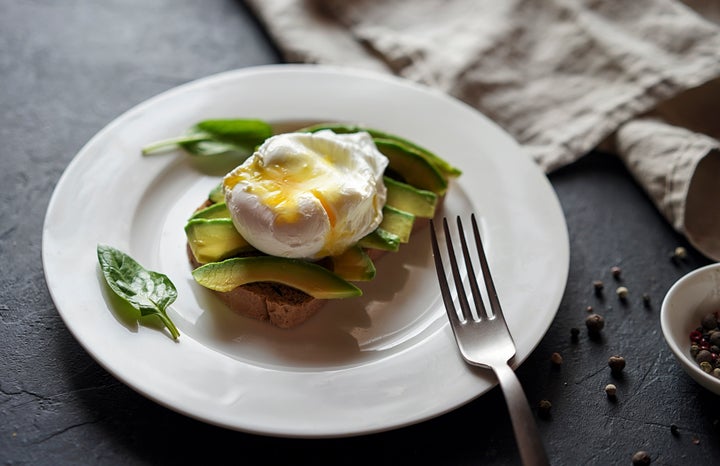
532,451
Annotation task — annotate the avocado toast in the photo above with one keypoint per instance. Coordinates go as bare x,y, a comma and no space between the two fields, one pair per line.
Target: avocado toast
286,291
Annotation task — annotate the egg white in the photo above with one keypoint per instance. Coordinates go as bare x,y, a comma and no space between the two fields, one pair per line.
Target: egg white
308,195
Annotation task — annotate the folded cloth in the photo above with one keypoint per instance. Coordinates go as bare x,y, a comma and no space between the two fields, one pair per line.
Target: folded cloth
561,76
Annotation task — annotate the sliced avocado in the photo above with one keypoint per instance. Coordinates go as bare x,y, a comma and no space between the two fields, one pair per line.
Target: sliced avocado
214,239
380,239
354,265
311,278
341,128
397,222
217,194
419,202
218,210
412,167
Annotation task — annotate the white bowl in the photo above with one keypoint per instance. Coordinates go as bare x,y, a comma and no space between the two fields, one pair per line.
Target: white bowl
687,301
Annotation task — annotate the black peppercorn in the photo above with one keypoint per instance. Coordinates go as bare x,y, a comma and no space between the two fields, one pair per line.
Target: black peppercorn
616,363
598,286
646,300
709,321
574,333
715,338
704,356
616,271
594,323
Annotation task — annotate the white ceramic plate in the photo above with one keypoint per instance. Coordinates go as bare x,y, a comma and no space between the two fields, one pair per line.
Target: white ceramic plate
379,362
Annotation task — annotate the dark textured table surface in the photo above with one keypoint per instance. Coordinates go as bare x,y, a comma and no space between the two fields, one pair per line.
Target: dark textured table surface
68,68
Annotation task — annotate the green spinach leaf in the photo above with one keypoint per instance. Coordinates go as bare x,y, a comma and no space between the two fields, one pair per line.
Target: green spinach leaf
237,137
147,291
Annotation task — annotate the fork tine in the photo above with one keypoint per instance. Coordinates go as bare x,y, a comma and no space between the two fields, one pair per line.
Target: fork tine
477,297
489,285
442,278
462,296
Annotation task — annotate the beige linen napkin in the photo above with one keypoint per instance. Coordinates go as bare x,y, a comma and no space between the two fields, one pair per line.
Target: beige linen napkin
561,76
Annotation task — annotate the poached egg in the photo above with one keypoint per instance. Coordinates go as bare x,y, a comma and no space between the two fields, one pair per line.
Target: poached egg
308,195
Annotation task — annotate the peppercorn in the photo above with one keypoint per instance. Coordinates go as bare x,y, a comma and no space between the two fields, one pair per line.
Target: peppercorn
589,308
706,366
709,321
646,299
574,333
616,271
641,458
703,356
594,323
674,430
715,338
598,286
610,390
544,408
680,253
694,349
556,358
622,292
616,363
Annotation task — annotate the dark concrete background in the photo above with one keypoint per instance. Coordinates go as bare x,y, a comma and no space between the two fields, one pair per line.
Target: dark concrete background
68,68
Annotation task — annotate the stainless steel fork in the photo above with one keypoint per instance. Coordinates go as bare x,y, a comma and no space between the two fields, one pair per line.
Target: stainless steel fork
483,338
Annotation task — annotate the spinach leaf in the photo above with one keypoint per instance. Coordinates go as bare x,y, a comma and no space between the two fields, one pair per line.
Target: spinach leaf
147,291
217,137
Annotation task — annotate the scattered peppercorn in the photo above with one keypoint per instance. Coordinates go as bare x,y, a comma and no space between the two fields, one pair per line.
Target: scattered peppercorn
598,286
641,458
622,292
680,252
616,363
646,299
594,323
610,390
589,308
544,408
696,441
616,271
574,333
556,358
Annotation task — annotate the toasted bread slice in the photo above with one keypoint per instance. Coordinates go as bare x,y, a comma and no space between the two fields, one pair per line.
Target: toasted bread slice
283,306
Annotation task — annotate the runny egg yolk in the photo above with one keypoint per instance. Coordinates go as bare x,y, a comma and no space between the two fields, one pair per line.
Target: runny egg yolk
308,195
